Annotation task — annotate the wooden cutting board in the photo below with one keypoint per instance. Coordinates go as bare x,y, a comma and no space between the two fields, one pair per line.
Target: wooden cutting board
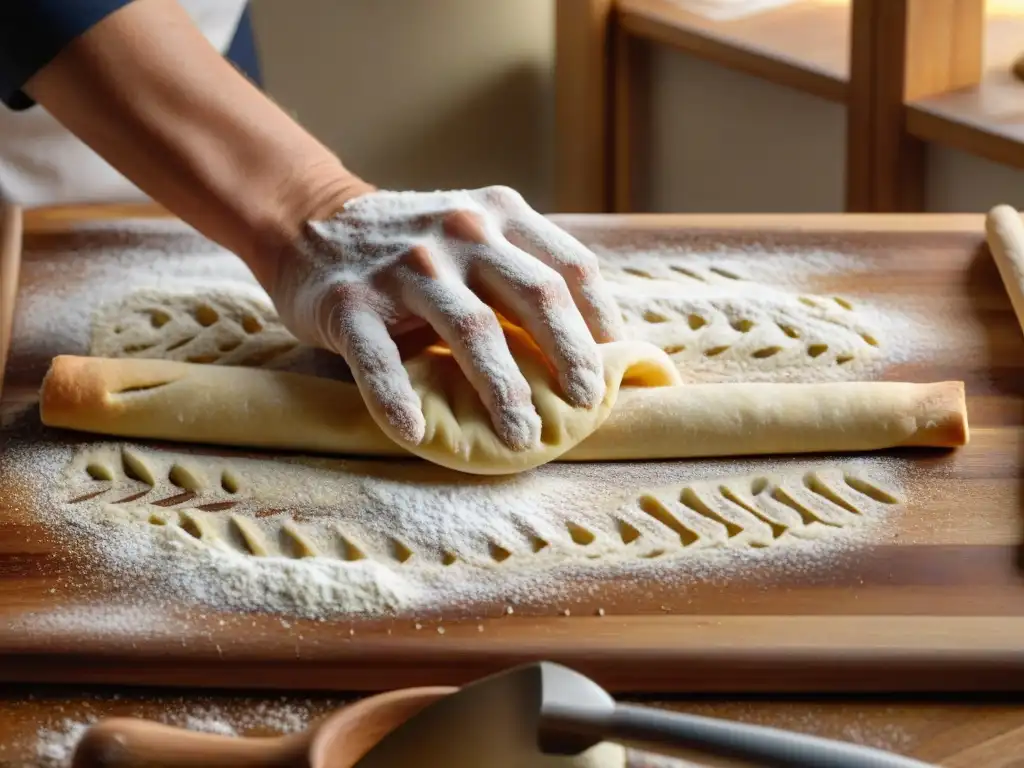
932,600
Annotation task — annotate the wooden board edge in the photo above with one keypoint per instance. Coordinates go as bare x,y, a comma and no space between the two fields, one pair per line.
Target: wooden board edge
60,218
657,673
939,223
712,654
11,224
65,217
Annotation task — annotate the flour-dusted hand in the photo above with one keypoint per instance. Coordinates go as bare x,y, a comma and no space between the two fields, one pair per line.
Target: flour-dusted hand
391,262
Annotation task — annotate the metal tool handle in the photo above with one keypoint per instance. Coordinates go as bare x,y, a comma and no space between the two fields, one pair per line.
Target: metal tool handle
671,733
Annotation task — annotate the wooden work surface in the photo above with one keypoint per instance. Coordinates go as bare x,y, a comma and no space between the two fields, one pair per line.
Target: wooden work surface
932,602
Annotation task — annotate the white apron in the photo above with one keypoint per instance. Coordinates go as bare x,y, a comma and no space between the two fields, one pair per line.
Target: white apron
42,164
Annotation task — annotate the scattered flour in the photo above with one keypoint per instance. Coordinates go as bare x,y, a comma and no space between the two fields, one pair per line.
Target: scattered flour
430,538
100,619
55,744
224,578
469,538
110,260
756,316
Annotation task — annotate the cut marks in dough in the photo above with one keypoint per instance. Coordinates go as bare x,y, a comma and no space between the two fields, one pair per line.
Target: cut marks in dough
721,325
714,328
665,422
412,515
226,328
652,417
275,409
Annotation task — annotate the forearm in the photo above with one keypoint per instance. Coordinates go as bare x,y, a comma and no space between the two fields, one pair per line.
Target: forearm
148,93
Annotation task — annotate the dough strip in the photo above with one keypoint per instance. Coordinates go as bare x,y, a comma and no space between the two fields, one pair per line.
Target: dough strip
224,405
1004,232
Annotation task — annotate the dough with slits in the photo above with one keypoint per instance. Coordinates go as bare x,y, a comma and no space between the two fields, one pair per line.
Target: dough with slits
646,413
275,409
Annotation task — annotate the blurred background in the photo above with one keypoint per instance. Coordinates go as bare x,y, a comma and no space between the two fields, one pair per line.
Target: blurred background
460,93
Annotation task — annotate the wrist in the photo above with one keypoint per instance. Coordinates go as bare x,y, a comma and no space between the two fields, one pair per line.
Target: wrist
315,194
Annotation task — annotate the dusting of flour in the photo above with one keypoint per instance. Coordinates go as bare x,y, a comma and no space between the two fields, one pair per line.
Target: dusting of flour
55,743
465,536
746,302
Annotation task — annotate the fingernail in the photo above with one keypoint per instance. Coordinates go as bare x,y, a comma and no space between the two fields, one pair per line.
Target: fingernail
521,428
584,387
409,422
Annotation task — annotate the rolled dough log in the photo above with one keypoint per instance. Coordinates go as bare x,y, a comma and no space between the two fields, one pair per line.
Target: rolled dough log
1004,232
243,406
647,415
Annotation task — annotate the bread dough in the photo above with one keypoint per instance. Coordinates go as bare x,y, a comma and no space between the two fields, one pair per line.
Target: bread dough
646,413
328,508
1004,232
276,409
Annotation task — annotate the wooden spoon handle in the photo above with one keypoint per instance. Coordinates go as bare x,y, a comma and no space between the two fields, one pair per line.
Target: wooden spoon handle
133,743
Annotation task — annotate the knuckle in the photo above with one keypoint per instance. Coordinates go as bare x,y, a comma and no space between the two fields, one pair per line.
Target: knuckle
473,321
418,259
344,294
546,292
464,225
334,306
581,269
581,257
503,196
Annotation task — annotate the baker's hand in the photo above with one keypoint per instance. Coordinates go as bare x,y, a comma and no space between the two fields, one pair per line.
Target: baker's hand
390,262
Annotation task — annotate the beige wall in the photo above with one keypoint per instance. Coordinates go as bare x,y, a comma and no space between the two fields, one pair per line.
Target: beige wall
427,94
419,94
962,182
723,141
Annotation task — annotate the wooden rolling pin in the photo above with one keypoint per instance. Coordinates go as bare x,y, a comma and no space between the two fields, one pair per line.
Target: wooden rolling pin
1004,232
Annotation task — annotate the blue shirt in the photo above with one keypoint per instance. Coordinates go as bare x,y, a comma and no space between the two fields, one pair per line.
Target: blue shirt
33,32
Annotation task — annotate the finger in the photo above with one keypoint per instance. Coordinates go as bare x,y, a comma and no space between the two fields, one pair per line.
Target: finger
362,338
577,265
540,301
471,330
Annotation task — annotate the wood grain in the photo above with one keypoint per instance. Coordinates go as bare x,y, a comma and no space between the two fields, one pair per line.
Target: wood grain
962,732
58,218
859,192
803,45
984,118
904,50
933,602
582,105
631,121
10,263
